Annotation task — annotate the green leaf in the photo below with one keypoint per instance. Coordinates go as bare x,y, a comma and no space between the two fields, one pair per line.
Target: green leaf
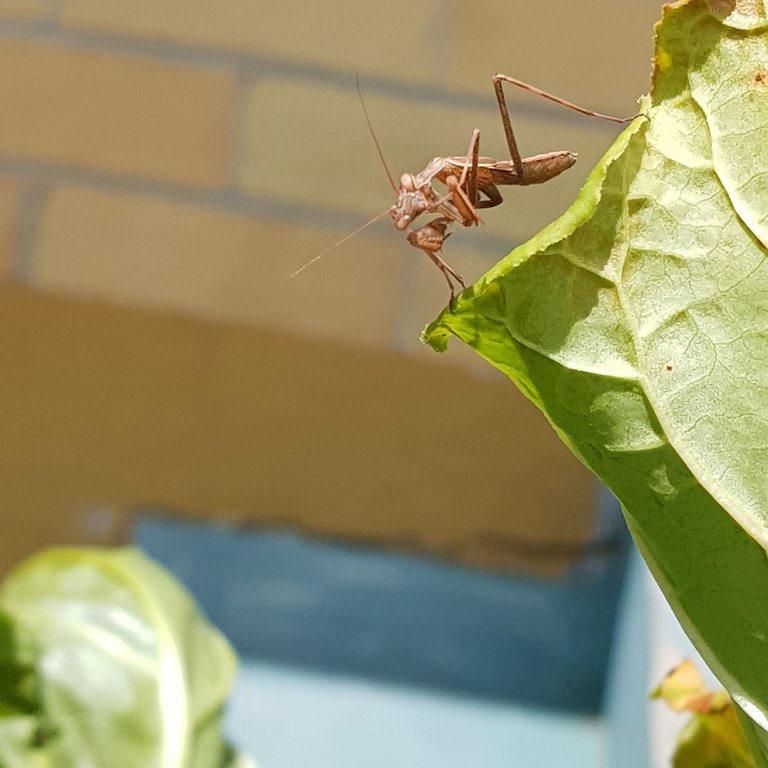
131,675
638,323
18,681
712,738
712,741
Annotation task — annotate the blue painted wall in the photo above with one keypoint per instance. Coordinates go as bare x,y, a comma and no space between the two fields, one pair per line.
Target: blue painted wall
404,619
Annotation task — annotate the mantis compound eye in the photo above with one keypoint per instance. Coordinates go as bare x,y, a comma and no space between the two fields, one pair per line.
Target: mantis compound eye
400,218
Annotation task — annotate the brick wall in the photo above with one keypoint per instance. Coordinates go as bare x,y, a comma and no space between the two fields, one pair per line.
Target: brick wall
182,158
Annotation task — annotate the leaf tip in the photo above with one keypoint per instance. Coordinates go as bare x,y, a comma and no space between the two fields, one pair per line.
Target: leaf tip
436,335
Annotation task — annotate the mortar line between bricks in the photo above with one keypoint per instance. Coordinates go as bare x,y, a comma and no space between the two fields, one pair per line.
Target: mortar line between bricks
225,200
258,66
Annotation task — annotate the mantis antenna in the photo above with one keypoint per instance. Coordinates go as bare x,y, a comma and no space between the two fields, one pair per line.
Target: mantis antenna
325,252
373,134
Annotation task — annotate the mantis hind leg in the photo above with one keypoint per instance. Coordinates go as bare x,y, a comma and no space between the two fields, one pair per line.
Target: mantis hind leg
499,79
514,152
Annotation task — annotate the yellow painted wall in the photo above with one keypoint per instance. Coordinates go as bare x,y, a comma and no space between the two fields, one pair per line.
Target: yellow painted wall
164,165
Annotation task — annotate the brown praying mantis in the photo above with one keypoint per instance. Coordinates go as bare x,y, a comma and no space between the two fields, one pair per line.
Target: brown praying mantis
473,182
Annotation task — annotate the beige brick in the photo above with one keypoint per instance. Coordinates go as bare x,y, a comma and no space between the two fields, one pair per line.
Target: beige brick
24,9
587,55
598,56
10,193
312,145
153,253
398,39
115,114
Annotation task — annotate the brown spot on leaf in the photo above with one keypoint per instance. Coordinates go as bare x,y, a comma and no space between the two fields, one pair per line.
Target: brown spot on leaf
760,78
722,8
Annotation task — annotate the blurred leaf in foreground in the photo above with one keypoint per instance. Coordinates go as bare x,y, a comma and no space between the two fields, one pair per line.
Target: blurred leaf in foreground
18,681
129,672
712,738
